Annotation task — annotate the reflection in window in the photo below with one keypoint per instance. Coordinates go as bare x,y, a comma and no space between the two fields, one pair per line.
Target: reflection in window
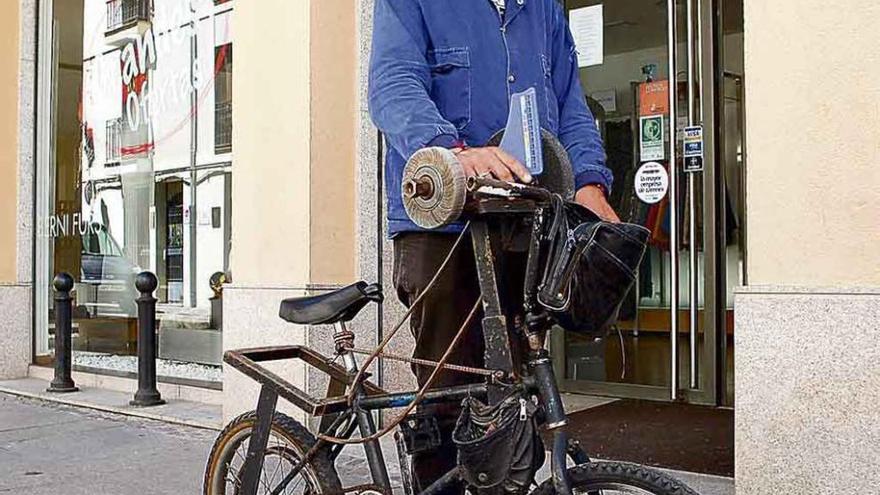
97,240
223,99
139,174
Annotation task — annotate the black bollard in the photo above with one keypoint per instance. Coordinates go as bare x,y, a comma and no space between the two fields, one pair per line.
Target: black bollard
147,394
62,382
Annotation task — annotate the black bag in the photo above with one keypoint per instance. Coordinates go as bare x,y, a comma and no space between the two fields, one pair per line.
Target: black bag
499,449
590,268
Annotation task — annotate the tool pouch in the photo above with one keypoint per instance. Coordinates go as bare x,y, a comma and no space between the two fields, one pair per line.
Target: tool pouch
591,267
499,449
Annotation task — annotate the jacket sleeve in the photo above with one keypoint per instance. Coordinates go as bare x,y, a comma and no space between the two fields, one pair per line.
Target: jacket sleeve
400,79
577,128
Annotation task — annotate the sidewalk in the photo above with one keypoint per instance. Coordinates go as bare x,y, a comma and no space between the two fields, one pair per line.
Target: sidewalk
51,447
48,448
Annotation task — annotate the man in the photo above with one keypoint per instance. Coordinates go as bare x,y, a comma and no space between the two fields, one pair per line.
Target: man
441,74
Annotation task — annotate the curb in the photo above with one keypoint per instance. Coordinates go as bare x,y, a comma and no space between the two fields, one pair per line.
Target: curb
110,409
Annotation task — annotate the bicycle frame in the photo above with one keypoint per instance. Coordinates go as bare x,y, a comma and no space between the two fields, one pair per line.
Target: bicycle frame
335,410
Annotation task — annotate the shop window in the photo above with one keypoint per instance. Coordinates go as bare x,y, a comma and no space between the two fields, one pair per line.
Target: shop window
133,182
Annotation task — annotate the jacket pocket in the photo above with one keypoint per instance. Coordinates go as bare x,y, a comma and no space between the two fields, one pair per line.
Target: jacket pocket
551,103
451,84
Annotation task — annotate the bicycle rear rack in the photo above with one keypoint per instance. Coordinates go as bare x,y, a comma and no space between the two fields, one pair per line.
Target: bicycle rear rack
246,361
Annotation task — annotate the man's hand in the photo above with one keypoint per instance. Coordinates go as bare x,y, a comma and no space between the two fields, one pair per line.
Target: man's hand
592,196
492,161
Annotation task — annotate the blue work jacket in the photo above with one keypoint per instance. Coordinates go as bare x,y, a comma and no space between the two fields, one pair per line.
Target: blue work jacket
442,72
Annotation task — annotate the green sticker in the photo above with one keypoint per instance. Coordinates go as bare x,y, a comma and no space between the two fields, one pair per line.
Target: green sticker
651,138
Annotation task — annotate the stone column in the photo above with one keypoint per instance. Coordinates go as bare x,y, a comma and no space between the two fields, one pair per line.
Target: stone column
293,192
17,83
806,353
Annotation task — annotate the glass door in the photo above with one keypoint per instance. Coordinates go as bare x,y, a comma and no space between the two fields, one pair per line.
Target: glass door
643,84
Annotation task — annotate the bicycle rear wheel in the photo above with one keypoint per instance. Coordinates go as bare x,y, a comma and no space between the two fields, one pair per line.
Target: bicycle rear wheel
288,443
618,478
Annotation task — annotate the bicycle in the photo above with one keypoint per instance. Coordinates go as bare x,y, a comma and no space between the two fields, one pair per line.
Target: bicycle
264,451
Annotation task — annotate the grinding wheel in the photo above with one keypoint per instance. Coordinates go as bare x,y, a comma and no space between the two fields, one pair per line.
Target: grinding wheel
558,176
433,188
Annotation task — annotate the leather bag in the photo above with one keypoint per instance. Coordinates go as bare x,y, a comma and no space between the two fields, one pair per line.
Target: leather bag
591,266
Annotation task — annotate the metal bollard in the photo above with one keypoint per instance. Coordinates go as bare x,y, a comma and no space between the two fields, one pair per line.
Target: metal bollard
62,382
147,394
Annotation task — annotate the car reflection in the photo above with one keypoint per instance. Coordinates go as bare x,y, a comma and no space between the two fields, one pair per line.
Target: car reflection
106,287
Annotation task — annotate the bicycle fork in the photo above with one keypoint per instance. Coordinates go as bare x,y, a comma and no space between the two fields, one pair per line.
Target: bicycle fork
545,381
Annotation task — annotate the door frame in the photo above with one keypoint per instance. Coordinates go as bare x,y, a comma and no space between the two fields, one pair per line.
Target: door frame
708,20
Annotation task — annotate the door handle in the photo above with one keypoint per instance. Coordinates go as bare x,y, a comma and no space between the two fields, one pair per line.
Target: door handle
671,44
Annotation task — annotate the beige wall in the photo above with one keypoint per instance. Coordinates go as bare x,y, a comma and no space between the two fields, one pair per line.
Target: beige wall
293,136
813,142
270,182
293,191
333,126
9,54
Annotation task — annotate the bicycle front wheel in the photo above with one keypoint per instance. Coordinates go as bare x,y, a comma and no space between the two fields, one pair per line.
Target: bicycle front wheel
288,443
618,478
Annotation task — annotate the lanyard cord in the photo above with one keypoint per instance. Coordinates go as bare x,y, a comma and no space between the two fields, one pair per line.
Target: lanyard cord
381,347
421,394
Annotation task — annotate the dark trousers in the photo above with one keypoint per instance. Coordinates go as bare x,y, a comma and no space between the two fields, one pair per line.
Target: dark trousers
439,315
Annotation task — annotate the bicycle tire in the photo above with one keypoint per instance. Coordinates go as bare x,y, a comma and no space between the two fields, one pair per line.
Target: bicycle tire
605,477
319,473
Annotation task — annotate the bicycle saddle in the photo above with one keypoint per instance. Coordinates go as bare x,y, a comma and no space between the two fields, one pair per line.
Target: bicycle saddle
331,307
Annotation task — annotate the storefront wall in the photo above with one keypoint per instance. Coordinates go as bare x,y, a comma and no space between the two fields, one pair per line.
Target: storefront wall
294,196
307,215
807,375
16,191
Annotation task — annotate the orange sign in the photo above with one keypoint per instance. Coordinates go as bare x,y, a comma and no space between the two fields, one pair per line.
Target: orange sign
654,98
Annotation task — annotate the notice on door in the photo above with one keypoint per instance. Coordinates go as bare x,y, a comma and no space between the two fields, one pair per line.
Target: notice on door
587,30
651,182
651,138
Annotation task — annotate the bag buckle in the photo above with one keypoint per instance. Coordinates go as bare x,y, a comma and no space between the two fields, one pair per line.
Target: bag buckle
421,433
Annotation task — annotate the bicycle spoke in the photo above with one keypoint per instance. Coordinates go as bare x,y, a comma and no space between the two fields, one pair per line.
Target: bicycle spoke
277,453
236,483
284,447
274,472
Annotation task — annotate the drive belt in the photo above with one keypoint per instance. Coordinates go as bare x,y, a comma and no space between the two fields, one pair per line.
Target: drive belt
433,364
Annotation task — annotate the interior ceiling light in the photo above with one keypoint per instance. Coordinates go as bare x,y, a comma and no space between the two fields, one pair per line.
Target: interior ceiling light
614,24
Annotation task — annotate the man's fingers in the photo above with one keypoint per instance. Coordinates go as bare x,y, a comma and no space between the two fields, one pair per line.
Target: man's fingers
479,161
500,171
513,165
473,166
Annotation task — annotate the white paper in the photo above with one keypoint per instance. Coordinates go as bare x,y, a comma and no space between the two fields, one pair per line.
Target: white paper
223,29
587,29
